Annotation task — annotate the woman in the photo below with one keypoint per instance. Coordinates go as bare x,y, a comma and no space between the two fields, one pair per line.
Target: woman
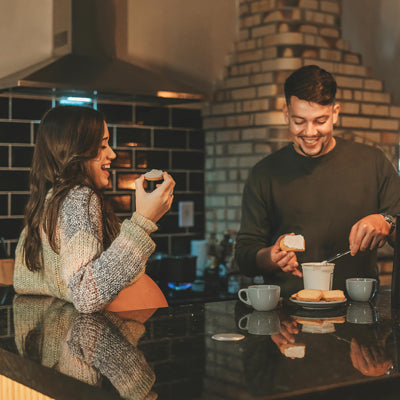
73,246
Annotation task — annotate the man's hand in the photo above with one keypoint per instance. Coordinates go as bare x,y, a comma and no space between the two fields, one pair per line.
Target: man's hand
273,257
369,360
369,232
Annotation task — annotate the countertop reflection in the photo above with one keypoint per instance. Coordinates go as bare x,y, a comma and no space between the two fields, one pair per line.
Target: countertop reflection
351,351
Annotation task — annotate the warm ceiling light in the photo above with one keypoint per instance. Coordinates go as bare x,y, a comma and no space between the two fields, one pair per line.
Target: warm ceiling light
177,95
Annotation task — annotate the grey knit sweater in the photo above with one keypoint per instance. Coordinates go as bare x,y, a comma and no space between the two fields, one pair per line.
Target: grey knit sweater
82,272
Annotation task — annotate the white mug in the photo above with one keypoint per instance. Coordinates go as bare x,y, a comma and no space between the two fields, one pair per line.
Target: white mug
261,323
261,297
360,289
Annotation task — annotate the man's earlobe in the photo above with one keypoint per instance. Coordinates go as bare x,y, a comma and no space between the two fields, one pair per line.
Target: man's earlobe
285,112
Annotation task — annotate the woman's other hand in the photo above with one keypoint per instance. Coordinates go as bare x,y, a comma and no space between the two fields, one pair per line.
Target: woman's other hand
155,204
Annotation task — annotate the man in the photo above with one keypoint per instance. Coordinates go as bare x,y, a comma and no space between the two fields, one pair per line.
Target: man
338,194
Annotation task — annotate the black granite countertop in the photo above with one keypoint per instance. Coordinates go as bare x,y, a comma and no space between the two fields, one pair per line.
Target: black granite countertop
350,352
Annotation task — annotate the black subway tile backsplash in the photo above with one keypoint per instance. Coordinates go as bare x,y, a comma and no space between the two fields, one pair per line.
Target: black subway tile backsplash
196,140
18,203
196,181
14,180
4,156
133,137
154,116
3,204
148,159
21,156
15,132
146,136
29,108
116,113
188,160
10,228
169,139
4,107
184,118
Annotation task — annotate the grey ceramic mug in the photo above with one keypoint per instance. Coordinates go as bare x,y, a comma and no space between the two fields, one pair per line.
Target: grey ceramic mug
361,289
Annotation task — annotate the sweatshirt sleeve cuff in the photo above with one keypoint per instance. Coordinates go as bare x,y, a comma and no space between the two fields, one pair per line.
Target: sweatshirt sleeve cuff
147,225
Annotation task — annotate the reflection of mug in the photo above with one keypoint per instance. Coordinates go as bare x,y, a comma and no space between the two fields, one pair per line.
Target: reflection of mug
360,289
361,313
261,323
261,297
318,275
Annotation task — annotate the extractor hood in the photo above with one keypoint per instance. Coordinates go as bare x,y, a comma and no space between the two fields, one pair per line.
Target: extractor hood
93,64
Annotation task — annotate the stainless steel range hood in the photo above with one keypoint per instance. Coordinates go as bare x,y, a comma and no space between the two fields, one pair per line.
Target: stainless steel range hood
98,34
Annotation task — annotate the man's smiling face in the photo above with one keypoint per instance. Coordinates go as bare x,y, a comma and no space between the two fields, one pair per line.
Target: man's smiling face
311,126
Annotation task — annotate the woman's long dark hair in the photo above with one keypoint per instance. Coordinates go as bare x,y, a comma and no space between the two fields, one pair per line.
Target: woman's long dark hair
67,137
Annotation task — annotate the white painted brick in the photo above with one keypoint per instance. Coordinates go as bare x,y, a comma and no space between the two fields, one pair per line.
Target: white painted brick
212,123
239,81
257,79
215,201
254,133
355,122
291,38
351,58
349,108
234,201
313,4
219,149
267,90
245,45
227,162
227,188
330,6
282,63
237,120
375,109
252,20
209,137
331,55
210,149
395,111
387,124
330,32
209,164
270,118
248,162
240,148
349,82
215,176
251,55
376,97
263,30
227,136
264,5
255,105
246,93
223,108
233,214
262,148
234,175
373,84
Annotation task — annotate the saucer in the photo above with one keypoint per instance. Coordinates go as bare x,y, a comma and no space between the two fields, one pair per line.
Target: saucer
317,305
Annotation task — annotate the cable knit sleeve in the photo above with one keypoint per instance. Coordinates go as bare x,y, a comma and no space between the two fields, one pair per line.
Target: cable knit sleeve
95,277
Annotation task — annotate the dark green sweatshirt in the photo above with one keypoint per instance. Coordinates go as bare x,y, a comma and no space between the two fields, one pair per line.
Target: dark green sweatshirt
320,198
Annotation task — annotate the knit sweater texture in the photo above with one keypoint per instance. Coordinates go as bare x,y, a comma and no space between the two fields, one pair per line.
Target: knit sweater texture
82,272
320,198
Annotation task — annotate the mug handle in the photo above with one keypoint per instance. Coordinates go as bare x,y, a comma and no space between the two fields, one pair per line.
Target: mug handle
246,301
244,319
374,289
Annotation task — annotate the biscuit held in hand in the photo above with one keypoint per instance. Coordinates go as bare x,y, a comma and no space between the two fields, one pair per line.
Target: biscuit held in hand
154,175
292,243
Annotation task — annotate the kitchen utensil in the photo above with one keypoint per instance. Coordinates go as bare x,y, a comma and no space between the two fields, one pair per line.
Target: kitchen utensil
338,255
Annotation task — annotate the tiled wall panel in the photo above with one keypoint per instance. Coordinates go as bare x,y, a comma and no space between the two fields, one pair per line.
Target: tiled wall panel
144,136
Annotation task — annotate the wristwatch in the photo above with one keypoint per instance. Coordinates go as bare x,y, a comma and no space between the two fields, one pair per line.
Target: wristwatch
391,221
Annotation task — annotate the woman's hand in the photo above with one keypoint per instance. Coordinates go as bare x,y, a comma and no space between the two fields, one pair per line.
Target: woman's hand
155,204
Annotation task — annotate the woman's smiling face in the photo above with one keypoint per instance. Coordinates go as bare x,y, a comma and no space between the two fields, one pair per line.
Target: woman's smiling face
97,168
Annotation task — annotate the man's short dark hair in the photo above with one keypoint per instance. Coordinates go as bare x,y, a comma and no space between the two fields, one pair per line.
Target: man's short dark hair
311,83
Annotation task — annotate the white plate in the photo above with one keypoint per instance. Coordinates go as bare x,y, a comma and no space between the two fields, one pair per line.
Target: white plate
317,305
